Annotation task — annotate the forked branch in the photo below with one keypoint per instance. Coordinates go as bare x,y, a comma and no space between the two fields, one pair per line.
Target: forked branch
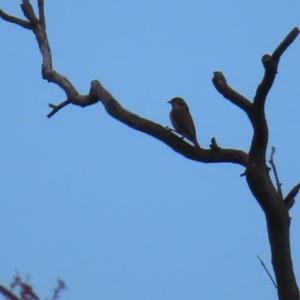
23,23
98,93
258,118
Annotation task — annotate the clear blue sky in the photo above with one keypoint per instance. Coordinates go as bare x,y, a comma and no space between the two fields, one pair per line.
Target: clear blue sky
116,213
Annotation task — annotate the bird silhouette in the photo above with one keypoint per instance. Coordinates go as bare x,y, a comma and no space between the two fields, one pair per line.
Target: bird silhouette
182,120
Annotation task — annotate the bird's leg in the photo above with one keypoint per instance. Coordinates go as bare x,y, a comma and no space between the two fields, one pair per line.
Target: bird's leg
170,129
173,130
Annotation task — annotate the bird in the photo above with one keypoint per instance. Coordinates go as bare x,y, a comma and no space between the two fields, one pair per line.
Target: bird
182,121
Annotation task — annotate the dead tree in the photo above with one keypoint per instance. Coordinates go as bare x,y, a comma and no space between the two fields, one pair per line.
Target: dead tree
270,198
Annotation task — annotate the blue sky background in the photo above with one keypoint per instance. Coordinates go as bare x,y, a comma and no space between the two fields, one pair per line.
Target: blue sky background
114,212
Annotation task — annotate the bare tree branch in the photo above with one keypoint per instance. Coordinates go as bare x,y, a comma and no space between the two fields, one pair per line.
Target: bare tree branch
42,14
6,17
285,43
257,173
97,92
48,73
56,108
258,178
80,100
278,183
57,290
29,13
224,89
271,63
269,274
290,203
7,293
289,199
214,146
258,119
114,109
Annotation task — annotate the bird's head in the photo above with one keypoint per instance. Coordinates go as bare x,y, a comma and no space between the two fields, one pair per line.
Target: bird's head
177,102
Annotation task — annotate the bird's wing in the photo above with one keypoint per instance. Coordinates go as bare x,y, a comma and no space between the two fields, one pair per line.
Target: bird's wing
183,123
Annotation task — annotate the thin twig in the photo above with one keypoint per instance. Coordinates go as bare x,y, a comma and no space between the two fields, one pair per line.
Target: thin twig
278,183
214,146
289,200
56,108
23,23
7,293
56,291
263,264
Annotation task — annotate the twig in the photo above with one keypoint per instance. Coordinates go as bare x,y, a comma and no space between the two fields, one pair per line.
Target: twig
23,23
214,146
285,43
289,200
270,63
7,293
56,291
263,264
56,108
278,183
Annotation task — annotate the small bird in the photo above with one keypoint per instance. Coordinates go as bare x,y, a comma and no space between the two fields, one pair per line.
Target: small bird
182,120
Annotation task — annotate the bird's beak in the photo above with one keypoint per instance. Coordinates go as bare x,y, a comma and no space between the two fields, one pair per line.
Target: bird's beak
169,101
